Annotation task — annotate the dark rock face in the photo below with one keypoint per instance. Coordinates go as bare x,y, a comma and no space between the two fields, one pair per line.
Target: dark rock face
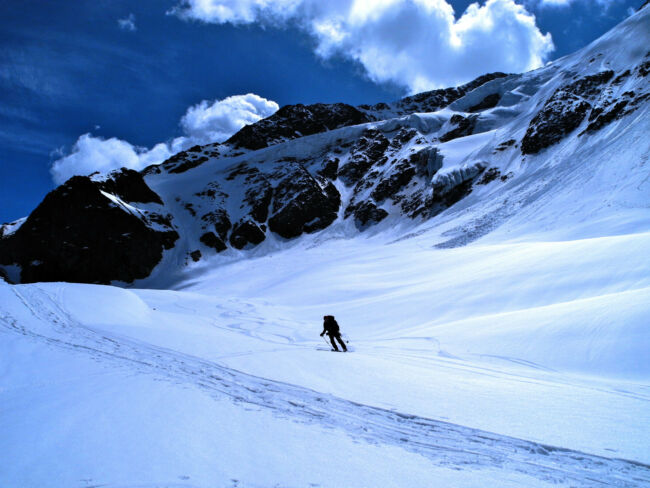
611,109
366,214
621,78
368,151
489,101
411,183
453,195
505,145
465,126
436,99
330,168
589,86
293,121
563,112
212,241
4,277
444,191
389,186
427,161
259,198
489,176
243,170
644,68
77,234
182,161
451,187
246,233
417,204
638,100
302,204
561,115
129,185
195,255
402,137
600,117
220,222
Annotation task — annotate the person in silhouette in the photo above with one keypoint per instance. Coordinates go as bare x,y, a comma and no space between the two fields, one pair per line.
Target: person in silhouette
331,328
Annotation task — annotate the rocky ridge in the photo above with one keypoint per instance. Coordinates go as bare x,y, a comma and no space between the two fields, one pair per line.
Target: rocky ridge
309,167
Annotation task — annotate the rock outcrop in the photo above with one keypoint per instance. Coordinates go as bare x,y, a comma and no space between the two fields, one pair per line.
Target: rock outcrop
563,112
302,204
82,233
464,127
368,151
294,121
433,100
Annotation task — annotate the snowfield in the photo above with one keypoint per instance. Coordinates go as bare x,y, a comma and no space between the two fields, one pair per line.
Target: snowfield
503,342
520,363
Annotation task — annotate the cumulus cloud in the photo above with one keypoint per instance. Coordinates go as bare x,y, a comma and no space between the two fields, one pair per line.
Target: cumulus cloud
203,123
419,44
217,121
90,154
127,24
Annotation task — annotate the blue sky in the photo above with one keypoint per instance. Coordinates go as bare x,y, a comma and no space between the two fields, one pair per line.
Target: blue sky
131,76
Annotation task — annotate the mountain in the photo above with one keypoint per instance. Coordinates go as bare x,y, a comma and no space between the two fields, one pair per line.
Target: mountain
484,249
307,168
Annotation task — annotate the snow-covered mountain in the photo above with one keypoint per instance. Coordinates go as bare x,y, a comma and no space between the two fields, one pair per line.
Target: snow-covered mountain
484,248
364,169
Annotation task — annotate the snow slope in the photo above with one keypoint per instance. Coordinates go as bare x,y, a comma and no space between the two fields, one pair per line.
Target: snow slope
501,342
104,382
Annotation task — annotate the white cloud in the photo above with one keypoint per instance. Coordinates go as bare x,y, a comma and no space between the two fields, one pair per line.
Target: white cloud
555,3
90,154
216,121
203,123
416,43
127,24
238,11
566,3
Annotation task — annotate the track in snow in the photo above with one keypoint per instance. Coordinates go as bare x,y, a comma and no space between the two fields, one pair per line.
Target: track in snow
444,444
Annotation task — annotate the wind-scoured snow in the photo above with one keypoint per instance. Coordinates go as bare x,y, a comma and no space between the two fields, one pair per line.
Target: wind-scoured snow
503,341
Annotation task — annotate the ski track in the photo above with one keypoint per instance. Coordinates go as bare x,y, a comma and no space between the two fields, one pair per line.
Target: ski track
444,444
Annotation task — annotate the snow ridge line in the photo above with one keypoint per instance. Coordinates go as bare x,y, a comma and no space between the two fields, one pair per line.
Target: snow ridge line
444,444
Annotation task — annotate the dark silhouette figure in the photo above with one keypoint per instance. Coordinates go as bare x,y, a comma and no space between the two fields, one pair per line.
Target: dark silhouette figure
331,328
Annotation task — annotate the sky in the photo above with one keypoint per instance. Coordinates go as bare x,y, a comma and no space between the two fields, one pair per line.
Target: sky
92,85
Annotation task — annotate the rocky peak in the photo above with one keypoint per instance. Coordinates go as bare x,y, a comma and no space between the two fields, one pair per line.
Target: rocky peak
82,233
293,121
433,100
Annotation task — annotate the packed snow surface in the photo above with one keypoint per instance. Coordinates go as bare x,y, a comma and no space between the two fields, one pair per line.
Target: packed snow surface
504,342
